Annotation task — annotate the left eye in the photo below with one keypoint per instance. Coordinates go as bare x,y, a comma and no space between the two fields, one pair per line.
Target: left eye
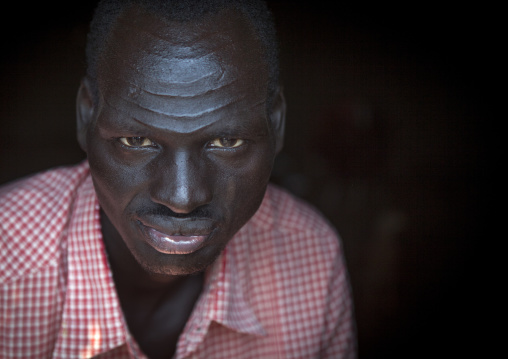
136,141
227,142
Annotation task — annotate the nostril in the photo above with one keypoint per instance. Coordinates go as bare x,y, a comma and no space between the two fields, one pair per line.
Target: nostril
164,211
176,205
199,212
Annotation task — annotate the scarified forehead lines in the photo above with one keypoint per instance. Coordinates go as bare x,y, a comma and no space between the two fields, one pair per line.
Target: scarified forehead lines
229,117
173,101
184,79
184,70
203,75
164,90
178,77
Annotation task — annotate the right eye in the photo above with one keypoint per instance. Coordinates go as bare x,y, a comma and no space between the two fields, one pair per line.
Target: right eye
136,142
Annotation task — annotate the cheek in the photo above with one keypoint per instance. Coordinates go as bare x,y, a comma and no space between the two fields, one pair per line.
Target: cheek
244,186
115,182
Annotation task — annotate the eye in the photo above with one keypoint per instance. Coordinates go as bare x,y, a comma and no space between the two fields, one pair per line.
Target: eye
136,141
224,142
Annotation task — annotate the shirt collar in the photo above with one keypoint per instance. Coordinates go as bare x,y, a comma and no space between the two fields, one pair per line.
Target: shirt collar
225,297
227,284
231,308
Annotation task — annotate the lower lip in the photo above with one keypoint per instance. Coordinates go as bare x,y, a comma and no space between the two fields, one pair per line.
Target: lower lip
167,244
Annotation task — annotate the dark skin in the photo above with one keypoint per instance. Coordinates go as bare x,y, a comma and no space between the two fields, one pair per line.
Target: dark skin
181,145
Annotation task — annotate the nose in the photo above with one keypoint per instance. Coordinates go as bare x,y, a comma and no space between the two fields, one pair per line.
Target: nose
181,183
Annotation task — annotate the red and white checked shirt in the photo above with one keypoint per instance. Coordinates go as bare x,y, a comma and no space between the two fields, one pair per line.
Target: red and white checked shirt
279,290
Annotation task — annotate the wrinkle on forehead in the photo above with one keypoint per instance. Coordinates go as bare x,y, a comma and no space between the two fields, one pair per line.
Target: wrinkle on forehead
177,78
186,107
185,102
185,123
182,71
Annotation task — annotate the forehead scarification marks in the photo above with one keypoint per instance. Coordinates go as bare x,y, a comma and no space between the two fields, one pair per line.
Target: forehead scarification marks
183,76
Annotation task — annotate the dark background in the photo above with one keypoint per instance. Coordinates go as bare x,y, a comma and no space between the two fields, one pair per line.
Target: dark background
386,128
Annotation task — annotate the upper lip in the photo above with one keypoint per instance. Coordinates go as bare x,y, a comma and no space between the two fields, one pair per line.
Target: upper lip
187,227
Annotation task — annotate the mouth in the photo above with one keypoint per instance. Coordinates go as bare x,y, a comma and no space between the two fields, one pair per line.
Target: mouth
174,242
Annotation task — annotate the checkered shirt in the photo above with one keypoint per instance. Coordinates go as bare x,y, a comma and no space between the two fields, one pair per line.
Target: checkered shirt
279,290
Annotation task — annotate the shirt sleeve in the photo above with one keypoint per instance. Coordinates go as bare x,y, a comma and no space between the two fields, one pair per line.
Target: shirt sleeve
339,332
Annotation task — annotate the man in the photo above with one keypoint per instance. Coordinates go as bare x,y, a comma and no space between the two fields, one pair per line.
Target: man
168,241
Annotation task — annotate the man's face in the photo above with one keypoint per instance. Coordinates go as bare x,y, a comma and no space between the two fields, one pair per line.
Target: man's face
180,146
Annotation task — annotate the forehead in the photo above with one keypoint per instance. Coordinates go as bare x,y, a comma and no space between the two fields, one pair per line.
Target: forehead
182,70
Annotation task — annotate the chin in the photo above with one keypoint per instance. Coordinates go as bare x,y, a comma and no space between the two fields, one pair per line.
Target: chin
180,265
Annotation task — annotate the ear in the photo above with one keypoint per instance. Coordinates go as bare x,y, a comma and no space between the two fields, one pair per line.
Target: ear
84,112
278,118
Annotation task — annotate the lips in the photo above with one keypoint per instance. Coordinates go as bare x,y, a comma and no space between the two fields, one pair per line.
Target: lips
180,238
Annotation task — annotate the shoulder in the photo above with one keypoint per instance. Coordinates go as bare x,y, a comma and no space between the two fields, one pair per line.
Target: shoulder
33,196
289,213
33,214
45,183
308,264
296,228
